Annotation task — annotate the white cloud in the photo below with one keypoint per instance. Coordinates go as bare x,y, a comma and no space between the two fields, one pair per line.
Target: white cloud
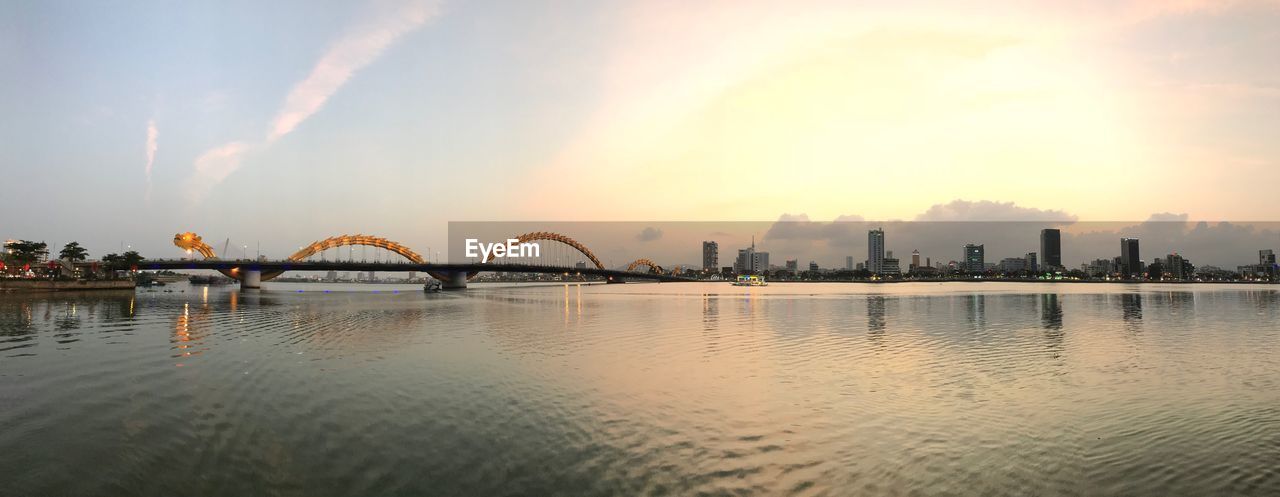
986,210
357,49
346,56
152,135
214,166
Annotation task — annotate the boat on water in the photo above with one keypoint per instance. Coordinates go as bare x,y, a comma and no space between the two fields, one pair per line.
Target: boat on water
750,280
208,280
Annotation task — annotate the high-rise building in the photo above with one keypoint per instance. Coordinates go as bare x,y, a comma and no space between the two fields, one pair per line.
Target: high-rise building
974,258
793,265
1130,262
1178,267
1051,249
915,259
759,261
875,250
710,256
750,261
1267,257
1031,262
813,266
848,262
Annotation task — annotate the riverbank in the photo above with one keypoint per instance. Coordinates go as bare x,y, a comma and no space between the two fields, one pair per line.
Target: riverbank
16,285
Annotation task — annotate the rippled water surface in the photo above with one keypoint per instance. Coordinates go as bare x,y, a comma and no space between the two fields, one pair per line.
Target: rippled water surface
653,389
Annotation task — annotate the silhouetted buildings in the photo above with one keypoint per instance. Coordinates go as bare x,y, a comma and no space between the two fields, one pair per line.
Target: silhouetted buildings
750,261
1178,267
1130,261
974,258
1010,265
1050,249
710,256
889,266
875,251
1266,267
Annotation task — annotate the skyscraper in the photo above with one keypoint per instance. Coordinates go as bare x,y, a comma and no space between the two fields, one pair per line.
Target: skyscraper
848,262
1050,249
750,261
1130,262
915,259
974,258
710,256
875,250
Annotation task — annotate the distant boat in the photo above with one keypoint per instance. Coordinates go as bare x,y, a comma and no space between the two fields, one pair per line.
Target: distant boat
750,280
208,280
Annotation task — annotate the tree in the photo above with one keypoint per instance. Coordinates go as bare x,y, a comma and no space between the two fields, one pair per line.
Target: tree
131,259
112,261
27,252
73,252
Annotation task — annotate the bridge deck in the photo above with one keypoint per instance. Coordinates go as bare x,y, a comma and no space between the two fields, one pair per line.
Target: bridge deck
273,266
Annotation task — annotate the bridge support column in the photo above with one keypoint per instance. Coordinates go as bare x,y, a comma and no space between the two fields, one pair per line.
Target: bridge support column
250,279
453,281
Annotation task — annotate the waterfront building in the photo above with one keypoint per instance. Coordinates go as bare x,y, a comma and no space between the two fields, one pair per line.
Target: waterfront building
974,258
889,265
1050,249
813,266
1267,257
875,250
1031,264
793,265
915,259
1099,268
1010,265
759,261
1178,267
710,255
1130,262
848,262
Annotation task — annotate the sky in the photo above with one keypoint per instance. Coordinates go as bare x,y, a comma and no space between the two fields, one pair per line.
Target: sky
275,124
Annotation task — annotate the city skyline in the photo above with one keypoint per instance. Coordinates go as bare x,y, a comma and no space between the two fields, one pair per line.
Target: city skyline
284,122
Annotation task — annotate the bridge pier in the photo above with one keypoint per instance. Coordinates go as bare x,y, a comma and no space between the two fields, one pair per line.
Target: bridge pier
250,279
453,280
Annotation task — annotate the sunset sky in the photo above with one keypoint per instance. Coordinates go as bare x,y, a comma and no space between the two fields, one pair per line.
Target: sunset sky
286,122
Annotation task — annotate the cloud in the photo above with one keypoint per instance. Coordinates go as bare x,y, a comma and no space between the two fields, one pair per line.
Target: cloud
152,135
355,50
986,210
649,234
349,54
214,166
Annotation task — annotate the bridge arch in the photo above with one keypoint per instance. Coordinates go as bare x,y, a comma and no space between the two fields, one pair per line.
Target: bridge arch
553,237
192,242
653,267
365,240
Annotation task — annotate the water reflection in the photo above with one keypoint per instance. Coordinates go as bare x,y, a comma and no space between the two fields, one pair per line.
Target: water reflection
532,389
976,307
1050,312
1131,309
876,322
